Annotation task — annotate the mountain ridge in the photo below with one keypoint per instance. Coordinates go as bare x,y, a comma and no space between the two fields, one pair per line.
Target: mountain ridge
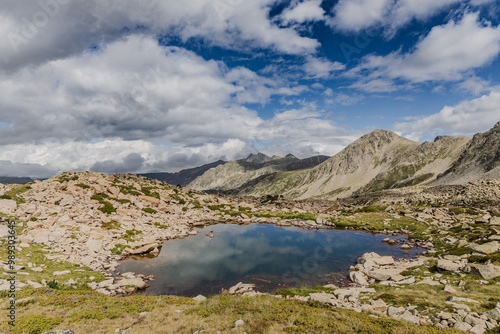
378,160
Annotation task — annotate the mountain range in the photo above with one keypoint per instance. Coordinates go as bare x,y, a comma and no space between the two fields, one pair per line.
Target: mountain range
378,160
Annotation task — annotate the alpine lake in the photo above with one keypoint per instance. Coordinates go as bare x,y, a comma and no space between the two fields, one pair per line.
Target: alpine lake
270,256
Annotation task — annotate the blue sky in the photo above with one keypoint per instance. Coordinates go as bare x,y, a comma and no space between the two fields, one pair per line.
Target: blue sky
138,86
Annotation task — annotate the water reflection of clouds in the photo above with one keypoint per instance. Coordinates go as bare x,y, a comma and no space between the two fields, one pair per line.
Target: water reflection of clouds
237,251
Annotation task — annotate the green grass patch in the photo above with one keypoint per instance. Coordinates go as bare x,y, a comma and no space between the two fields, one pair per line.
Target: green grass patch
36,323
83,186
148,191
112,225
107,207
118,249
149,210
16,191
130,235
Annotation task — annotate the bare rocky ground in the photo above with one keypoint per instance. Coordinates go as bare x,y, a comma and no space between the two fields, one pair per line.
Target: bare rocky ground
92,221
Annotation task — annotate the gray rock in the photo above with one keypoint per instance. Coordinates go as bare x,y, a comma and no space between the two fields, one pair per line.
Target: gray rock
64,272
487,271
358,278
447,265
462,326
464,300
379,275
494,314
379,305
7,206
200,298
322,297
449,289
239,323
445,315
477,330
392,311
494,221
458,306
407,316
487,248
135,282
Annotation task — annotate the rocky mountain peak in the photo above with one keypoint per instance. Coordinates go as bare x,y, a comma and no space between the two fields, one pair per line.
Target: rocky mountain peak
257,158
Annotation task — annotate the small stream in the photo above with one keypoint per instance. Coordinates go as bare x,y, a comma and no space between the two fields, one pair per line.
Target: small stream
267,255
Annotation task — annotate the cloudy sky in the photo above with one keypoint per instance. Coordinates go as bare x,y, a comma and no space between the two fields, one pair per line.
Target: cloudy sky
159,85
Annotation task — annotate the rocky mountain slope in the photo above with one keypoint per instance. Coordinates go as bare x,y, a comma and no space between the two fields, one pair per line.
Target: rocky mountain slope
376,161
185,176
238,173
480,160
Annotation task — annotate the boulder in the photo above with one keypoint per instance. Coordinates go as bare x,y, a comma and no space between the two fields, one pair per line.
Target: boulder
143,249
394,311
64,272
358,278
407,316
379,305
379,275
200,298
487,271
4,231
7,205
478,329
494,221
462,326
323,297
447,265
449,289
487,248
494,314
135,282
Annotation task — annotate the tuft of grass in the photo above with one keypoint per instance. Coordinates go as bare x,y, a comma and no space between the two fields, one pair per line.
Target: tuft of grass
150,210
118,249
81,185
15,193
148,191
130,235
112,225
107,207
53,284
159,225
36,323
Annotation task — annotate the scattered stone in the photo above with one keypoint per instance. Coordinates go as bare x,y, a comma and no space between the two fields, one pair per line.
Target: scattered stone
358,278
379,305
447,265
200,298
449,289
64,272
488,271
487,248
462,326
135,282
323,297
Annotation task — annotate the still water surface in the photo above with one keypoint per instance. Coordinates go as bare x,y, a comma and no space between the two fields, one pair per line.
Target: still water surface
267,255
